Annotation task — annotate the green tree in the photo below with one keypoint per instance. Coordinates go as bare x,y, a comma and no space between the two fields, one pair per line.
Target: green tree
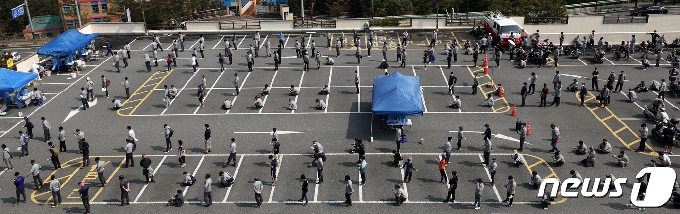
36,7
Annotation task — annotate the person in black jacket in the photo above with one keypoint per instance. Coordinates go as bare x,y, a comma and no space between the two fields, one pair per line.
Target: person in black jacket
146,168
29,128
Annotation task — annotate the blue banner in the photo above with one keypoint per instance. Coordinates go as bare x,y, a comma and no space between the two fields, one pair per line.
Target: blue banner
18,11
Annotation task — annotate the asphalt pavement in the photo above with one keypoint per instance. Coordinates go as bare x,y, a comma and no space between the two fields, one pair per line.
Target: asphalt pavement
347,117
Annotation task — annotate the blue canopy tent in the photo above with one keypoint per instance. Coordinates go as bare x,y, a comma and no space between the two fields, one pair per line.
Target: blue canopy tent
63,48
397,96
13,81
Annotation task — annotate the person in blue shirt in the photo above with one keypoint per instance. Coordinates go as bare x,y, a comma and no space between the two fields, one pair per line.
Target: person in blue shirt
108,49
83,191
176,200
19,184
281,39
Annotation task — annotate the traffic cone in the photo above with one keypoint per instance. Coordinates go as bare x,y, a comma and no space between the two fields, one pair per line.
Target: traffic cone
528,128
485,64
500,91
514,110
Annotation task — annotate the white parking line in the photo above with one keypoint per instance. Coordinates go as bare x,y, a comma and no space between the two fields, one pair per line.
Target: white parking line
495,190
263,41
358,94
193,174
242,84
361,189
264,102
271,194
152,173
286,42
316,188
235,173
299,85
328,96
624,94
218,42
180,91
669,103
208,93
244,38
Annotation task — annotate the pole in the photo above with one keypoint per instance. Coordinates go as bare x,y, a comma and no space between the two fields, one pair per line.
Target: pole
302,10
437,14
80,23
30,22
143,16
372,10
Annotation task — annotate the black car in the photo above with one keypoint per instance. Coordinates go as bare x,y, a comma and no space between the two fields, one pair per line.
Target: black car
643,11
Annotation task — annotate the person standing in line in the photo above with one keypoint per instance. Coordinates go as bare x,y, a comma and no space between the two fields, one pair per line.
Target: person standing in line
384,51
487,151
358,54
232,152
83,98
46,129
35,172
523,93
475,57
147,171
108,49
460,138
532,85
228,53
273,164
544,95
582,94
181,41
442,169
207,135
510,190
362,171
475,83
236,80
105,85
167,133
556,56
522,137
619,83
181,153
62,139
267,46
124,57
155,58
452,83
7,157
84,195
55,188
555,136
479,188
129,149
54,157
313,47
348,191
86,154
19,184
124,191
337,47
403,58
594,80
23,141
356,80
369,45
169,61
132,136
304,185
556,79
319,168
257,187
318,60
100,171
408,173
305,60
644,132
193,62
220,59
127,49
126,85
147,62
79,137
453,185
201,95
207,191
116,61
201,48
447,150
29,127
492,170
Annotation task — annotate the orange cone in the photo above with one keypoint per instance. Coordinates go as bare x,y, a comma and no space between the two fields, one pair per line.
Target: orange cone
485,64
528,128
500,91
514,110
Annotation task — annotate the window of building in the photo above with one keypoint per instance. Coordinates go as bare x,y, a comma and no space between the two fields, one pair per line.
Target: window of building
95,7
105,9
97,20
66,7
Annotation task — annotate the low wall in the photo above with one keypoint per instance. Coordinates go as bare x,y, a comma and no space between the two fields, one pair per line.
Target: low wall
202,26
348,24
26,63
114,28
277,25
427,23
615,33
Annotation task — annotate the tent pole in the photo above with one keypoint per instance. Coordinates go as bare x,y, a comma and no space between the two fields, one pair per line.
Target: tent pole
371,128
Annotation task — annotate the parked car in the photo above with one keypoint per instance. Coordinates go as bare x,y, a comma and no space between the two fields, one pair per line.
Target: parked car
16,56
643,11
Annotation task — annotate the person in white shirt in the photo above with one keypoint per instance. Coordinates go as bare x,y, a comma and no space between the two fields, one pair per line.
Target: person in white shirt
116,104
456,102
226,104
320,104
489,101
292,104
294,90
663,159
193,62
266,89
329,61
258,102
325,90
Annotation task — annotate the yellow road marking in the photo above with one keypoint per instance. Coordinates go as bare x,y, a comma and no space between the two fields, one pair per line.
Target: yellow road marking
138,92
532,165
129,107
616,133
113,174
607,118
552,173
33,194
456,38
